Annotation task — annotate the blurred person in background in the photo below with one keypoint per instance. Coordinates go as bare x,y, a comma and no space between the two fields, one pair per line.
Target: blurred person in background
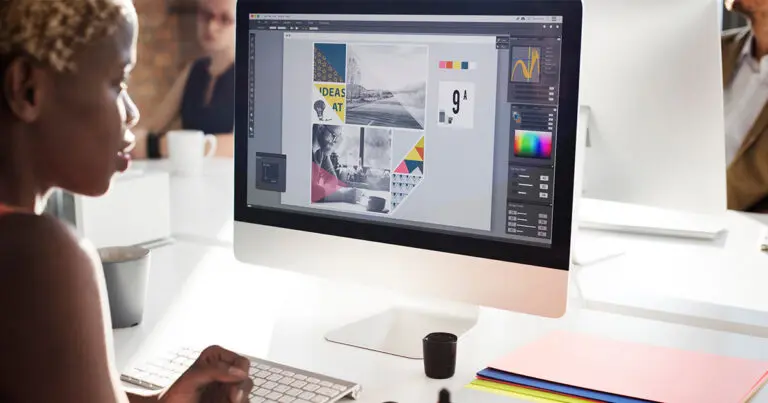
745,76
203,94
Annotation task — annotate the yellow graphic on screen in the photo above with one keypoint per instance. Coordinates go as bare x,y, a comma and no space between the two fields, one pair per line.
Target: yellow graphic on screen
335,96
526,64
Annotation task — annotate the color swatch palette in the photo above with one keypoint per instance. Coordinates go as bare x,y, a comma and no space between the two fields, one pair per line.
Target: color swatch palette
457,65
532,144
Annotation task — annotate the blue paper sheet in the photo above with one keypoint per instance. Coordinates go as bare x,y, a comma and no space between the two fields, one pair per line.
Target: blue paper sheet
502,376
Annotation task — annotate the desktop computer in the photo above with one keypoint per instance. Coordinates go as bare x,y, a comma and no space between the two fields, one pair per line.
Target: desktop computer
651,84
424,146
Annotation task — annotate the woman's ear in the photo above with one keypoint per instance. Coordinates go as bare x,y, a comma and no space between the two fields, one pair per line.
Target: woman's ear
22,88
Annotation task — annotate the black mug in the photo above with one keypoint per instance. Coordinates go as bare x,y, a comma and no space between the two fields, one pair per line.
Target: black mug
440,355
376,204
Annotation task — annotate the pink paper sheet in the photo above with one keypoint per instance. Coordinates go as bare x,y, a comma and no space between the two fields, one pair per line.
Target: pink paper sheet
637,370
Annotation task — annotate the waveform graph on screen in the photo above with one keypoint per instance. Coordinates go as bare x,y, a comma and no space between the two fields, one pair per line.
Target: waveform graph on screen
526,64
533,144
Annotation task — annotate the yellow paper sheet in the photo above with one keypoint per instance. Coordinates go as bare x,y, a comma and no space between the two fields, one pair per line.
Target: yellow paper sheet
533,395
508,394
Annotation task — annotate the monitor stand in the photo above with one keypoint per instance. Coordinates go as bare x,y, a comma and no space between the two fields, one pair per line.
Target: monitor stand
588,250
399,331
606,215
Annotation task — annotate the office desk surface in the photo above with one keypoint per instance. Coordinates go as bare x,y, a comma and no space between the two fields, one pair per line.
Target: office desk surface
200,295
717,284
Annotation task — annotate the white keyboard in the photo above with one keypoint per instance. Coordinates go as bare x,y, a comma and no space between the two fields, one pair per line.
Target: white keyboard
272,382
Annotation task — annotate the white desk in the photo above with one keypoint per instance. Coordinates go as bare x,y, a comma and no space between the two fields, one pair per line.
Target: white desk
719,284
201,295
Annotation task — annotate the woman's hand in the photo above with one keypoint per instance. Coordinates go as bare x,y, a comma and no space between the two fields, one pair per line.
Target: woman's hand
218,376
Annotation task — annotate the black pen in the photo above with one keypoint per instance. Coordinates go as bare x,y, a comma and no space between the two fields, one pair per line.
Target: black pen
444,397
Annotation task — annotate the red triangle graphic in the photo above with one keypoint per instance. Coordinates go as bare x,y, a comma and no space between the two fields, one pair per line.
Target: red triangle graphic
420,150
402,168
324,183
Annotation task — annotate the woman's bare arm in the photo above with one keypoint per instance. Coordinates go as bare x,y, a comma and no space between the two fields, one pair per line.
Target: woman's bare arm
53,332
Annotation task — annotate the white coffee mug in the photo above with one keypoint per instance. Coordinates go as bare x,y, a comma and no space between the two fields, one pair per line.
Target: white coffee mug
186,149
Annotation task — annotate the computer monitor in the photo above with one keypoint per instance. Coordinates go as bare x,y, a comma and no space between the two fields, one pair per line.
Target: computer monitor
424,146
652,79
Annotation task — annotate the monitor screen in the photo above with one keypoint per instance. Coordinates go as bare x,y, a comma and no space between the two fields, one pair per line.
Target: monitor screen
443,123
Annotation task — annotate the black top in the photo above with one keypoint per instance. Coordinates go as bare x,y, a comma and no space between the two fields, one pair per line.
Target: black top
218,116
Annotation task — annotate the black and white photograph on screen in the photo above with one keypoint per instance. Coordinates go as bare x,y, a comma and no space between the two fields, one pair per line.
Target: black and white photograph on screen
351,168
386,85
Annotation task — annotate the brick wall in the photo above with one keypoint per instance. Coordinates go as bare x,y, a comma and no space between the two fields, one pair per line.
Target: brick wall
167,42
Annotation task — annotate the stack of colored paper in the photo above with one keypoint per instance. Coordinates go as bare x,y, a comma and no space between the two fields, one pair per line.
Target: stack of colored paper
576,368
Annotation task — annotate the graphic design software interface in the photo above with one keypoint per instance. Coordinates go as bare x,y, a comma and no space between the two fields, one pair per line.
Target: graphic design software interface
443,123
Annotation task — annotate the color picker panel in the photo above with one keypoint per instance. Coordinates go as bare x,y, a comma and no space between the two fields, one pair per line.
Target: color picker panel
531,144
457,65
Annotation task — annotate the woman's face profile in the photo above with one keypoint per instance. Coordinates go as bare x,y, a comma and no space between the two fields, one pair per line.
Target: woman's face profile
216,25
81,113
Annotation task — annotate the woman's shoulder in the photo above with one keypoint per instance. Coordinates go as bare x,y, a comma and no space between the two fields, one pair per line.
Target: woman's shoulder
32,245
45,270
50,300
17,228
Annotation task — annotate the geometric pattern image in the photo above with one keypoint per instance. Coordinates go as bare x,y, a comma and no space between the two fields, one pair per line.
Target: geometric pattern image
330,62
413,163
408,174
402,186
